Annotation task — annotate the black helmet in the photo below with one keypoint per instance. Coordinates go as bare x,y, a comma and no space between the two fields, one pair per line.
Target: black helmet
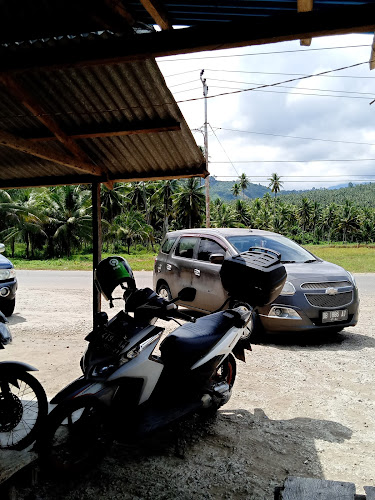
110,273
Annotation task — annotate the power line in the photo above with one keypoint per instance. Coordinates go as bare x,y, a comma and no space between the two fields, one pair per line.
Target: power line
289,87
307,176
277,83
265,73
293,161
224,150
295,181
294,137
265,53
296,93
286,74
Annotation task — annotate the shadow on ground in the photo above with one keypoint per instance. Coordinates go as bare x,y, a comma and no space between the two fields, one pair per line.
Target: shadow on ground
233,455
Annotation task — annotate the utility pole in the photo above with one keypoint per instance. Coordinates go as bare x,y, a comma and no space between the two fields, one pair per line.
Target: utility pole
207,179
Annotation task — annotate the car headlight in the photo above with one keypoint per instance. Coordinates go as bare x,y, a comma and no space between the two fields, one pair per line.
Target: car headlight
352,279
6,274
288,289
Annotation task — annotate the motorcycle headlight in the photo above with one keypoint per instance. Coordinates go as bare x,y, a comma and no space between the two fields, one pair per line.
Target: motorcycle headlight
6,274
288,289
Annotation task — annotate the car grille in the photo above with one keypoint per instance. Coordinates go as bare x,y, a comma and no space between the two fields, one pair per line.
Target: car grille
325,300
325,284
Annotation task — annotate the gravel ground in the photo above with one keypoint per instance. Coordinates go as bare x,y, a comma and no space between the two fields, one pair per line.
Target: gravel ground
300,406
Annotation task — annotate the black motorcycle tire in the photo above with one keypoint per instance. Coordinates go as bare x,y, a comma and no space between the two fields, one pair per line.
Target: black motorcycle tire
25,411
76,437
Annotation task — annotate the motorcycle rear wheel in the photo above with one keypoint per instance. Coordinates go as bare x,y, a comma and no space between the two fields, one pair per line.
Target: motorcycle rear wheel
76,437
227,371
23,408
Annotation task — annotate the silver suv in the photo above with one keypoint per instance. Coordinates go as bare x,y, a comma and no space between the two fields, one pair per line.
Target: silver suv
317,295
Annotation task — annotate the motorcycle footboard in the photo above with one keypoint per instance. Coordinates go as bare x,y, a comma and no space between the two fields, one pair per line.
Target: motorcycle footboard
157,418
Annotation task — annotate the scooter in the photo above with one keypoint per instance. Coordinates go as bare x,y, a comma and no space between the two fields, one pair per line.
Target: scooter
23,401
127,389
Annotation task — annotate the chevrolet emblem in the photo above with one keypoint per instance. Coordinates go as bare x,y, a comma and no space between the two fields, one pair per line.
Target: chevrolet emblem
331,291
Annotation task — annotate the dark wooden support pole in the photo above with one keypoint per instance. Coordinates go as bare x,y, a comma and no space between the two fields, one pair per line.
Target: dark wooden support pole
96,241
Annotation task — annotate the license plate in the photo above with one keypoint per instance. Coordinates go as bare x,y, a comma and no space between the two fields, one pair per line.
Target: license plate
331,316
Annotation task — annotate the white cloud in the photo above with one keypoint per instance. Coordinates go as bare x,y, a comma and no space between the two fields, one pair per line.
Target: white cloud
257,119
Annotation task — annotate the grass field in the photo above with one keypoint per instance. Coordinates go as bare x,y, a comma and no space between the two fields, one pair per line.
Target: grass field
353,258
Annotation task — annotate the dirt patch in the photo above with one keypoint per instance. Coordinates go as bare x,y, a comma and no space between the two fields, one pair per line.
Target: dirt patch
300,406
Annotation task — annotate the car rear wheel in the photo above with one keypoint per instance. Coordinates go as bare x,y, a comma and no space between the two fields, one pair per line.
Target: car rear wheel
7,306
164,291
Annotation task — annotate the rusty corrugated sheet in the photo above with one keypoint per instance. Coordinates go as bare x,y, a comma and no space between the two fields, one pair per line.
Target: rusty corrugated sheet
111,97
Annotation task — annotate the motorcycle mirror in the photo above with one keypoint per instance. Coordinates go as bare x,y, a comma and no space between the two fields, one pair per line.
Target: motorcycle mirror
216,258
187,294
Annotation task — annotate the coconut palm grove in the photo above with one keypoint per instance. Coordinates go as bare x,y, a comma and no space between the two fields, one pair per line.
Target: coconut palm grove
56,221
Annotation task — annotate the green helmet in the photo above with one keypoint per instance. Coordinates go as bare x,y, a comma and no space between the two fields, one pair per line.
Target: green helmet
110,273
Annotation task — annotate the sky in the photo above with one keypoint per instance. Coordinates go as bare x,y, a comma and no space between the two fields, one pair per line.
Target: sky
313,132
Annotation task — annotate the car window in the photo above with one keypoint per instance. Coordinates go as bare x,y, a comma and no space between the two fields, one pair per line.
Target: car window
185,247
289,250
168,244
207,247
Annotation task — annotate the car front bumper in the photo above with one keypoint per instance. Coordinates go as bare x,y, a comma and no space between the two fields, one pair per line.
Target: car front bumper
8,289
309,318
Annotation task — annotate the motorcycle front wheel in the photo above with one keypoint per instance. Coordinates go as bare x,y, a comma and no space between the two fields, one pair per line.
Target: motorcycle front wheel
76,437
23,407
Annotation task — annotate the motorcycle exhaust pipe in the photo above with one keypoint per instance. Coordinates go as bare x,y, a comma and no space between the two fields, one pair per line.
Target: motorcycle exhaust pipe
221,395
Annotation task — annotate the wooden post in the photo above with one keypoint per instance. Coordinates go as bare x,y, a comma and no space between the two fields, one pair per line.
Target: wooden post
96,241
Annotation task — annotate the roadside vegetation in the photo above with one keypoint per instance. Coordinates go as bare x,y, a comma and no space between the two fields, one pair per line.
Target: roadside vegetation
49,228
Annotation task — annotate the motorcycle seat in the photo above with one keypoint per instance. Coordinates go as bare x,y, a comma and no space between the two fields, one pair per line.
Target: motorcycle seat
191,341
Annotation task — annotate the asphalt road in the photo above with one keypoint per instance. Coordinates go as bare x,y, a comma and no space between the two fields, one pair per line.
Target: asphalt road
71,279
83,279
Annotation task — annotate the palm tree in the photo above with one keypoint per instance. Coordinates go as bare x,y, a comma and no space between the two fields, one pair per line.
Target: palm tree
164,191
304,213
70,217
243,212
224,216
244,182
236,189
130,227
275,185
24,220
189,202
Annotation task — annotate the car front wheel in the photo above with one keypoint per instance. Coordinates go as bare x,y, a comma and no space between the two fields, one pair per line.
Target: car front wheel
250,327
164,291
7,306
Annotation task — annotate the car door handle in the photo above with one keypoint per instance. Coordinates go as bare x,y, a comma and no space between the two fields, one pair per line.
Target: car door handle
197,272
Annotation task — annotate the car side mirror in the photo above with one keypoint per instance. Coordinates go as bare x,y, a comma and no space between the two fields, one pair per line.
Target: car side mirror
216,258
2,247
187,294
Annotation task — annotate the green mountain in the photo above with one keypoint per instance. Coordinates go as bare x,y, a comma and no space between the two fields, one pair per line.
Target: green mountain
222,189
360,194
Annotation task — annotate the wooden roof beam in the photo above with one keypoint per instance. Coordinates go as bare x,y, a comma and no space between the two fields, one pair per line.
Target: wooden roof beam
88,179
151,128
40,113
158,13
118,8
305,6
39,150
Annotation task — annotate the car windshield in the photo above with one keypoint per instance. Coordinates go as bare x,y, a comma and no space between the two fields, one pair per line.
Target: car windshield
289,250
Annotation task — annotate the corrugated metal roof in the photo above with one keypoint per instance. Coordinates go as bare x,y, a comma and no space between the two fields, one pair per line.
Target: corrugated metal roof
82,99
99,103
